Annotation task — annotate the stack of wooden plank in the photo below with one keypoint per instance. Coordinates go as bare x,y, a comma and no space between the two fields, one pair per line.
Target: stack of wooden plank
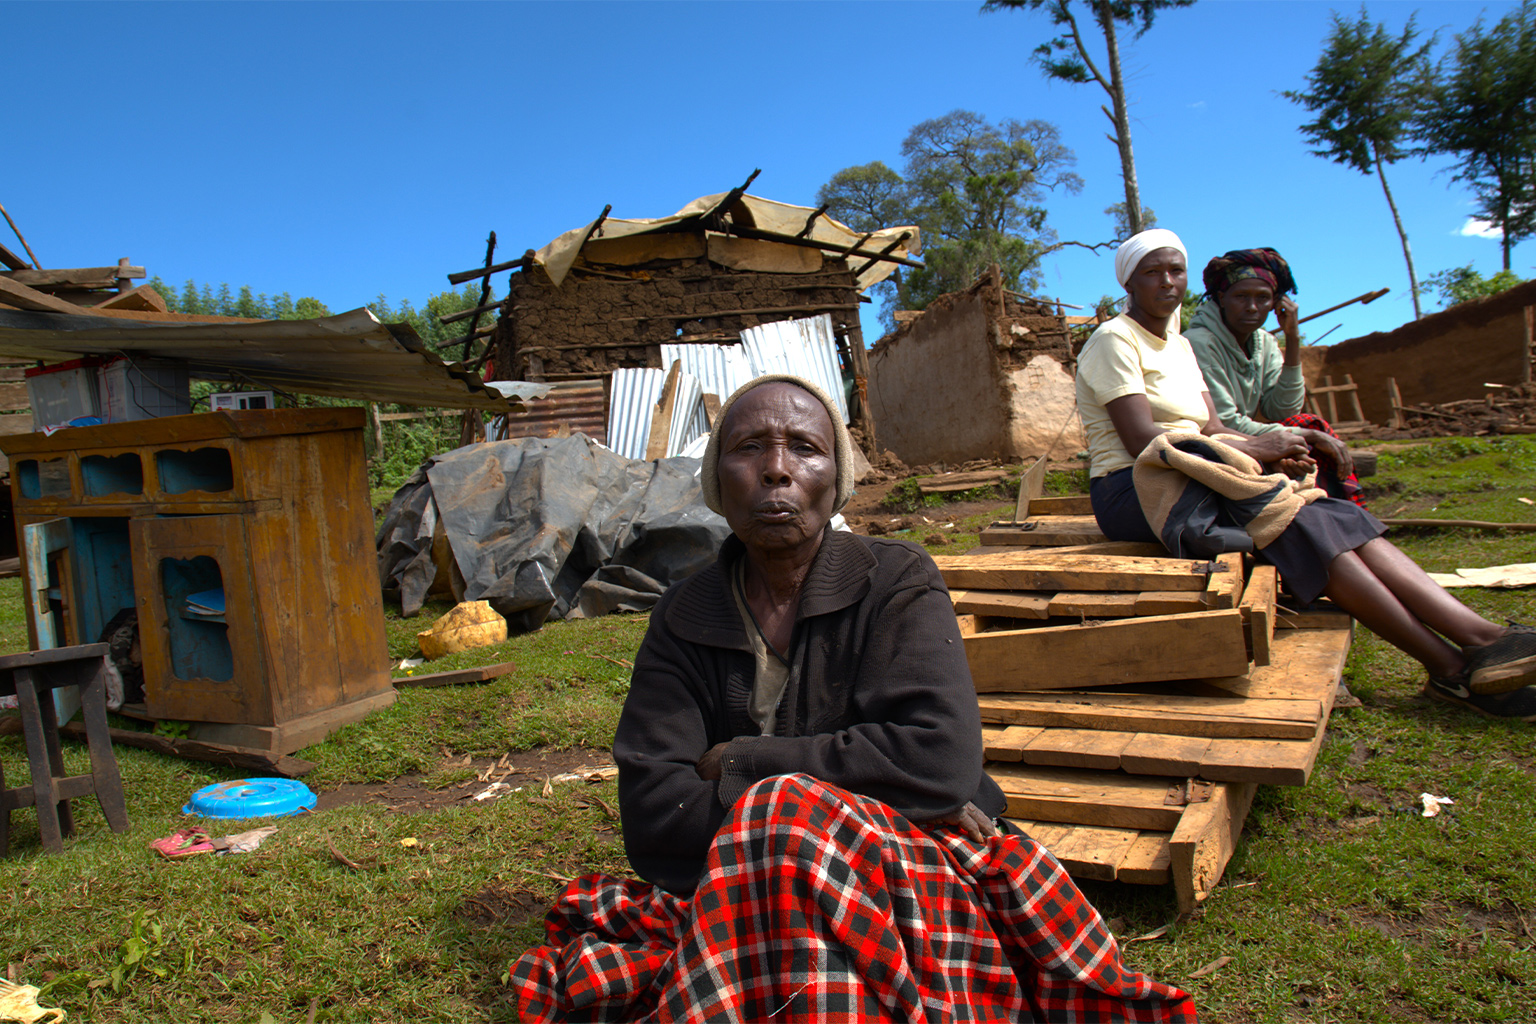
1133,702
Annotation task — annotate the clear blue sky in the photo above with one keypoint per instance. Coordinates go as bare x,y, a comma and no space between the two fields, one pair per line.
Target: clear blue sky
347,150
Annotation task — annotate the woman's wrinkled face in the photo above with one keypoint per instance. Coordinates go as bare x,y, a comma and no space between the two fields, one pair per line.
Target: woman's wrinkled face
1246,305
778,468
1157,284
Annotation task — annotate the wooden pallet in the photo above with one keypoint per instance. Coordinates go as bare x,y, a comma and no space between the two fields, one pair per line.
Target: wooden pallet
1153,788
1133,703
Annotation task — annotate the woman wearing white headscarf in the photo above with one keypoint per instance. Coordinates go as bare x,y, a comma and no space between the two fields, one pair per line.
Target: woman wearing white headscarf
1137,381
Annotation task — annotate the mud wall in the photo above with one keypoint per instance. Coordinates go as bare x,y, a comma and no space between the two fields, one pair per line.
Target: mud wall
604,316
1444,357
980,374
937,389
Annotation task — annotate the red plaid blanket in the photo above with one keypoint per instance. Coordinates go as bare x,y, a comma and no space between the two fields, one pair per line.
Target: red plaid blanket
1347,487
818,904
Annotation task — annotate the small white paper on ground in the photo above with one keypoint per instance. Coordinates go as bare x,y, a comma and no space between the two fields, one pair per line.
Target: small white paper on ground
1432,803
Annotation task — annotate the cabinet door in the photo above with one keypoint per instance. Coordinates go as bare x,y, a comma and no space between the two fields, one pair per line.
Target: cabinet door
203,653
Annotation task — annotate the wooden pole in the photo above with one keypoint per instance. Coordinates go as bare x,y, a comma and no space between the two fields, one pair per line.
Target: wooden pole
24,244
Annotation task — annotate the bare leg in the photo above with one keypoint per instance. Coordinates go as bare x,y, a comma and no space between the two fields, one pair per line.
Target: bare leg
1429,602
1355,588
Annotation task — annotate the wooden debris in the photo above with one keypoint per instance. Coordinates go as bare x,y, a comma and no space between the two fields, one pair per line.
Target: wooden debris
484,673
952,483
244,758
1006,571
1049,531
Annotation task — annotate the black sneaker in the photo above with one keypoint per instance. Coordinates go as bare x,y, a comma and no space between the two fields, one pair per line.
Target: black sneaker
1520,704
1504,665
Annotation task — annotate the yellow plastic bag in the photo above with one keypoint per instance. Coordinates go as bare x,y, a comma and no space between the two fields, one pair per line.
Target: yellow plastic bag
469,625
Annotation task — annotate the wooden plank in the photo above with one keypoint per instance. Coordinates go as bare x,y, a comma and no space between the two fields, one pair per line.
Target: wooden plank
711,409
1258,609
244,758
1071,572
76,277
1046,531
1105,605
1147,861
1318,615
1170,602
1460,524
1229,581
967,624
142,297
1031,486
1061,505
1204,839
1077,748
14,398
1007,603
1305,664
22,297
1162,754
1179,714
949,483
1083,797
1072,657
1089,852
1006,742
483,674
1106,547
661,418
1270,762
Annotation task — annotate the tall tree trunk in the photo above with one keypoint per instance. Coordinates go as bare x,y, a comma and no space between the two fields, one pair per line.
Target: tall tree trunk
1121,118
1413,279
1504,226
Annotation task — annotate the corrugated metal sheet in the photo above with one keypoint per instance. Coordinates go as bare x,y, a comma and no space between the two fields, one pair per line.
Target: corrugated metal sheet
350,355
579,405
632,403
721,369
806,348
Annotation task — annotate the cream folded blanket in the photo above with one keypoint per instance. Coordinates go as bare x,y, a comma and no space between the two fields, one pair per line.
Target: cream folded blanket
1202,497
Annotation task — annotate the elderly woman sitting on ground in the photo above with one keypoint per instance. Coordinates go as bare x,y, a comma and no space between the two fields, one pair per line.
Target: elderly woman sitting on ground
1164,468
1255,389
801,787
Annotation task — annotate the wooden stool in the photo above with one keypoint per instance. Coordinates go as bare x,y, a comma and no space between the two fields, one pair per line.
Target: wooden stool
32,677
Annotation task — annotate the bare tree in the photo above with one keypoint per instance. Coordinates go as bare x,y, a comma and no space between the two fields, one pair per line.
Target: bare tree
1067,59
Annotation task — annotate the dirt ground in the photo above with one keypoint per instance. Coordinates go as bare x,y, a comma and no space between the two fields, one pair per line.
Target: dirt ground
410,793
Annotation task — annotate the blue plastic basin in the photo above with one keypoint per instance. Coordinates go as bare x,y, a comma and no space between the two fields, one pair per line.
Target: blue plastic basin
251,798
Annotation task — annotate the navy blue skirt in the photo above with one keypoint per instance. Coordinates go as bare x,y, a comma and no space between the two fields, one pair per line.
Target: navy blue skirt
1321,532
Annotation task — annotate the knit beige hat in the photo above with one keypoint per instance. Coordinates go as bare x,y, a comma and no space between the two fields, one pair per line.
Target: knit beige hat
709,473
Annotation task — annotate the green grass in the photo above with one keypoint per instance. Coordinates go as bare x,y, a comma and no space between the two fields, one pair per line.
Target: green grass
1342,903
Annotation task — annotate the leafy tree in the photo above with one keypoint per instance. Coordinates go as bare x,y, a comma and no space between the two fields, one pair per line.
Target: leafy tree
1366,90
975,191
1484,113
1067,58
1463,284
866,198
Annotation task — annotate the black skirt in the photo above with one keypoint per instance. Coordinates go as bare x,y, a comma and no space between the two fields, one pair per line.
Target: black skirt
1321,532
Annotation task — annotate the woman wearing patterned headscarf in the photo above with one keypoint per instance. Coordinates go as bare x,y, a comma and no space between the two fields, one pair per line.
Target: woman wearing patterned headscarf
1255,388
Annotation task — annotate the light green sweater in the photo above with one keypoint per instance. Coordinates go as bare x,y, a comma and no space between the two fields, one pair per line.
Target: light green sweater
1244,386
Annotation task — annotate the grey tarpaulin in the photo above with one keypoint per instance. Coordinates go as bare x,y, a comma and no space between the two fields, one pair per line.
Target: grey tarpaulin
549,527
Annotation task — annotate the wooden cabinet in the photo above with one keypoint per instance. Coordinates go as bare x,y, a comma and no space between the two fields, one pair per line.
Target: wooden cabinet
261,518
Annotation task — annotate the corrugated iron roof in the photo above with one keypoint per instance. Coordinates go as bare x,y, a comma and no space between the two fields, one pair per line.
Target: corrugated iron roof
578,404
349,355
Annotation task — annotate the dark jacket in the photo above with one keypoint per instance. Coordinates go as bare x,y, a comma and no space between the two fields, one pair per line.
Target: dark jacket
879,701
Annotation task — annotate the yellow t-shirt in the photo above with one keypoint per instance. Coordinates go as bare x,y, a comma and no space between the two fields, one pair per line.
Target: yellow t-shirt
1121,359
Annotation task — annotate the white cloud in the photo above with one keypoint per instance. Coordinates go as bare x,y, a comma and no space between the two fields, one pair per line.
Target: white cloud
1475,228
1197,105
